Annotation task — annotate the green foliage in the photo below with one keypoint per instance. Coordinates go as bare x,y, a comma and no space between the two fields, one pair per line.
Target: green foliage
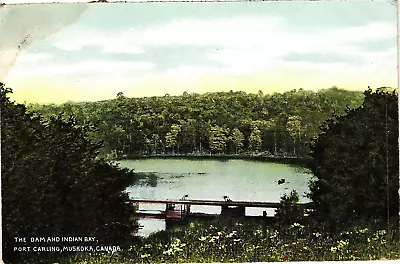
236,140
171,139
255,140
293,127
355,162
277,124
289,211
217,139
54,184
232,241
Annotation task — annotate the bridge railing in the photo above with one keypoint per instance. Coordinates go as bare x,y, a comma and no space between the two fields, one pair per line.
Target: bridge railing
217,203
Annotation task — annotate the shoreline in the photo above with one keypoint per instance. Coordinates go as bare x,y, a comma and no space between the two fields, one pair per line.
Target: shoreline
264,158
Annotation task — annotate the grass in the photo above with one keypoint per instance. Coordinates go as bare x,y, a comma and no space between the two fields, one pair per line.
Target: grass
233,241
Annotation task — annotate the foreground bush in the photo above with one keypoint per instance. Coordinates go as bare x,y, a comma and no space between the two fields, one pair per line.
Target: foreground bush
53,185
229,241
355,160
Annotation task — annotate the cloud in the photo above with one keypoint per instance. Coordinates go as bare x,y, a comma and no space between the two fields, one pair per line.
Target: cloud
79,70
227,52
242,42
230,32
378,44
319,58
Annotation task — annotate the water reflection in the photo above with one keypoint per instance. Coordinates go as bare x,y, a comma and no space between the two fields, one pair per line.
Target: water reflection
147,179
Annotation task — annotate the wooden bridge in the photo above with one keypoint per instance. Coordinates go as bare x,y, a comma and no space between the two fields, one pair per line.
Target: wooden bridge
180,209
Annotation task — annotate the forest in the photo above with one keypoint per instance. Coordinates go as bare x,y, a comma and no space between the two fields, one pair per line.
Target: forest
275,125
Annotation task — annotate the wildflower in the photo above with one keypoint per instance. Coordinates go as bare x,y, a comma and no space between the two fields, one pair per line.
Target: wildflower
295,225
202,238
274,235
353,252
145,256
233,233
168,252
258,232
381,232
317,234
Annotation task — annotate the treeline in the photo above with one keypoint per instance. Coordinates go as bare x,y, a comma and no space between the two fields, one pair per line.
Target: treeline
217,123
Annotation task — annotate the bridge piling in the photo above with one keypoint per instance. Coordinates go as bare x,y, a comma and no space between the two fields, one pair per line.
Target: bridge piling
228,208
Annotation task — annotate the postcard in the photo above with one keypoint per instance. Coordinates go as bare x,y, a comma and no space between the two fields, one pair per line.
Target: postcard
188,132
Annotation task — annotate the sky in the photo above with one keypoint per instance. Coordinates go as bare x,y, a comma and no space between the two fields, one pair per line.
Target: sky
78,52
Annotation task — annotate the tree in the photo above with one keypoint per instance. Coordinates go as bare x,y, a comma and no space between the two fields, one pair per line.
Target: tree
237,139
290,211
355,162
188,129
54,184
155,143
171,139
255,140
217,139
293,127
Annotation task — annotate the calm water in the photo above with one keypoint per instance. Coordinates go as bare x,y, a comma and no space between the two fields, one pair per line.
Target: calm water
210,180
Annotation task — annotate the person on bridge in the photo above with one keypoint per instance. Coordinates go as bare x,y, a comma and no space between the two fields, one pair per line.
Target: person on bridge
186,206
227,199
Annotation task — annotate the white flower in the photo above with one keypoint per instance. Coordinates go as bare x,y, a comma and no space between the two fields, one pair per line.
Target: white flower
381,232
168,252
317,234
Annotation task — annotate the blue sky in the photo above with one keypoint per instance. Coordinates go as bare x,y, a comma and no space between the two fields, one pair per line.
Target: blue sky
86,53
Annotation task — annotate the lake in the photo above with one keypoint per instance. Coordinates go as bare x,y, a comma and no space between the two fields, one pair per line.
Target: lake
240,180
